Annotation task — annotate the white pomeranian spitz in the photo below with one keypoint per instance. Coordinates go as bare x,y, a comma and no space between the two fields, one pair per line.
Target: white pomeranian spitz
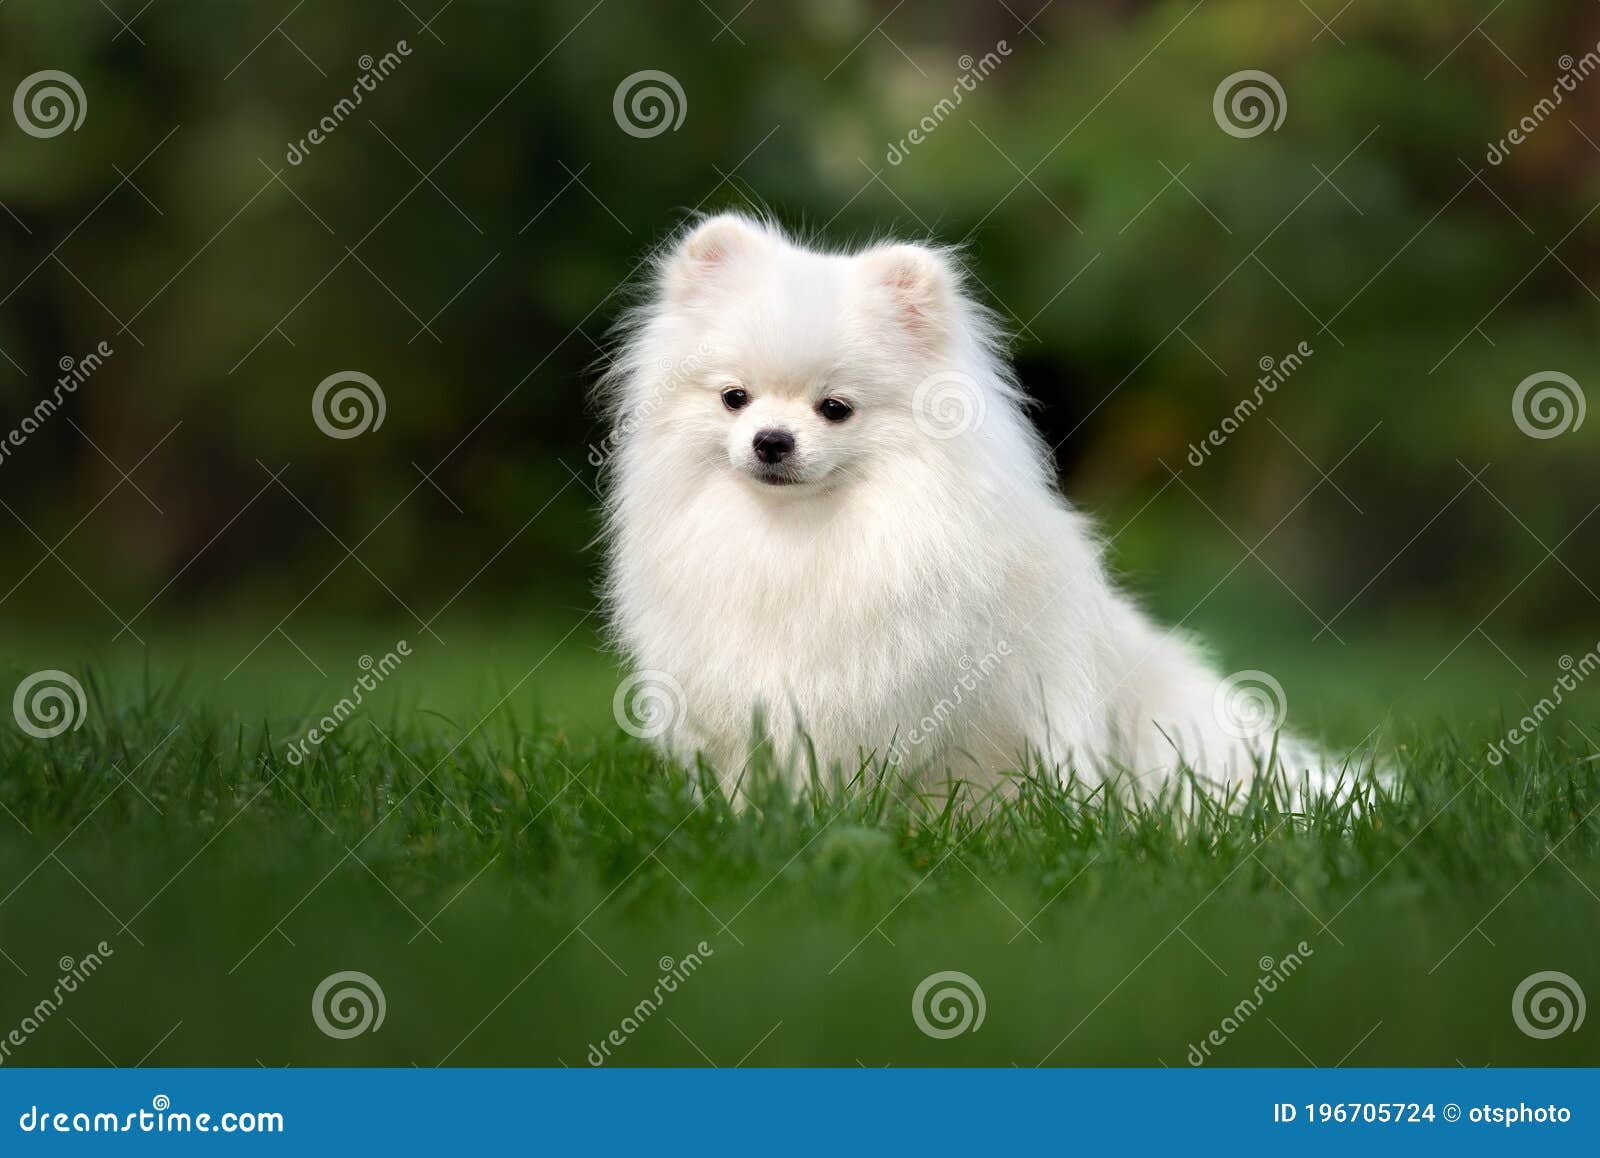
828,510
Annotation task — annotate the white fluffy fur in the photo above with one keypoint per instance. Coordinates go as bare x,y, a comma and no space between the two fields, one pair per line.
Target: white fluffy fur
930,599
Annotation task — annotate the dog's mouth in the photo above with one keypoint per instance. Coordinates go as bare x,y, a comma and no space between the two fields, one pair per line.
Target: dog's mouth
777,478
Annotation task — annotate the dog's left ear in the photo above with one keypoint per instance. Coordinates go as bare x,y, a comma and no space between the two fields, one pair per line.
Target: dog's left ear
704,257
917,287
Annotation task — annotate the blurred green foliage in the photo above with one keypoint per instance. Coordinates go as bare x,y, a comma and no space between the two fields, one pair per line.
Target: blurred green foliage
466,237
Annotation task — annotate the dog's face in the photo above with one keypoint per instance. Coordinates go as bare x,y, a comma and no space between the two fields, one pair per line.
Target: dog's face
793,369
788,429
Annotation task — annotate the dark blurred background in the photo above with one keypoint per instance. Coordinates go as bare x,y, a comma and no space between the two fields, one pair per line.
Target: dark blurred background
466,234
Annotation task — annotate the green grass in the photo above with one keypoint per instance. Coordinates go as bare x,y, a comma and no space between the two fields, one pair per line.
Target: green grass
513,874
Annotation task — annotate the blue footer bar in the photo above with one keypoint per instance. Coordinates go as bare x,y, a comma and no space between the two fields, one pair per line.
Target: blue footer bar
775,1111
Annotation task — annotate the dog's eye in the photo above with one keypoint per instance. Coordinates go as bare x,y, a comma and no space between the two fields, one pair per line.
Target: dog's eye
834,410
735,399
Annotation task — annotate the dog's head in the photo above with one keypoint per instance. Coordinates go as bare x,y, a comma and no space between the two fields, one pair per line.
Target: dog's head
799,370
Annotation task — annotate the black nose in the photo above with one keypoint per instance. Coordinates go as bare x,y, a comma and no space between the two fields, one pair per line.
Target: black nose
773,446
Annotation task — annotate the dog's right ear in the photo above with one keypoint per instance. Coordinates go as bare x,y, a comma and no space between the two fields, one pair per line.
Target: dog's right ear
703,257
917,288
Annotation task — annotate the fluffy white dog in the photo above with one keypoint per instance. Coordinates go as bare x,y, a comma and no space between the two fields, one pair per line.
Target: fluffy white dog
828,507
